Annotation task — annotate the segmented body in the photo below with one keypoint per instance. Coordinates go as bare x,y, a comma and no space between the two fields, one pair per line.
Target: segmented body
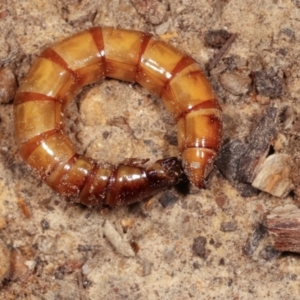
62,70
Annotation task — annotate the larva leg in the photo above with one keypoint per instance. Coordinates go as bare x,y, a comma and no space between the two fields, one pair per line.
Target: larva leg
63,69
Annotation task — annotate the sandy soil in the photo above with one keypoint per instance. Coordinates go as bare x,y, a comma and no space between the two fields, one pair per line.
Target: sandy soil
209,244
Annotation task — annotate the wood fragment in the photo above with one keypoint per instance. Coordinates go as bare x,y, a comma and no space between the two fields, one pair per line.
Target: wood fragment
273,175
258,147
113,236
213,62
228,162
24,208
18,268
254,240
250,167
283,224
228,159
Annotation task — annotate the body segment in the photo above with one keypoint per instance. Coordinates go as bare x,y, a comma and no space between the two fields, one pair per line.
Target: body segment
87,57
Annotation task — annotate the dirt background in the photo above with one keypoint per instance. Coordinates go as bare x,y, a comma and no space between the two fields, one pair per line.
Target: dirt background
209,244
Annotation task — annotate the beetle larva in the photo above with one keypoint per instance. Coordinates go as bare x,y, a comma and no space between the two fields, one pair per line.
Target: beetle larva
62,70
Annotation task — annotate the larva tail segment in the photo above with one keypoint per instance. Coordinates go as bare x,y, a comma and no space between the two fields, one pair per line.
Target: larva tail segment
199,139
197,163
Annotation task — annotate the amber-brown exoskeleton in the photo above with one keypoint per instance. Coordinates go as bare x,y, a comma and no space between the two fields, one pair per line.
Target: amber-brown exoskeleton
60,72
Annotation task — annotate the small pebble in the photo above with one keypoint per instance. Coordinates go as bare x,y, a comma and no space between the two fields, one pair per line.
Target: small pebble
263,100
31,264
8,85
268,83
46,244
146,267
2,222
169,253
86,269
228,226
4,261
254,240
45,224
199,246
162,28
168,198
216,38
269,253
235,83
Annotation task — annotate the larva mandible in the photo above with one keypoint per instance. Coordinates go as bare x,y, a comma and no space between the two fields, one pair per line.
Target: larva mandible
63,69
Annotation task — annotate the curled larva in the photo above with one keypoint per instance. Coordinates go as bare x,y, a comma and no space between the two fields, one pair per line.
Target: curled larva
60,72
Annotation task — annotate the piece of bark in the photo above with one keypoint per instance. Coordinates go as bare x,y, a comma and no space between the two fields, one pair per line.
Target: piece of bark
268,83
254,240
216,38
228,159
113,236
246,189
269,253
274,175
283,223
258,147
228,162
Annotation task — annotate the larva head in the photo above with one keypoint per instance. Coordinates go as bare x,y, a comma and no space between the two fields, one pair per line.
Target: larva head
165,172
197,163
132,183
